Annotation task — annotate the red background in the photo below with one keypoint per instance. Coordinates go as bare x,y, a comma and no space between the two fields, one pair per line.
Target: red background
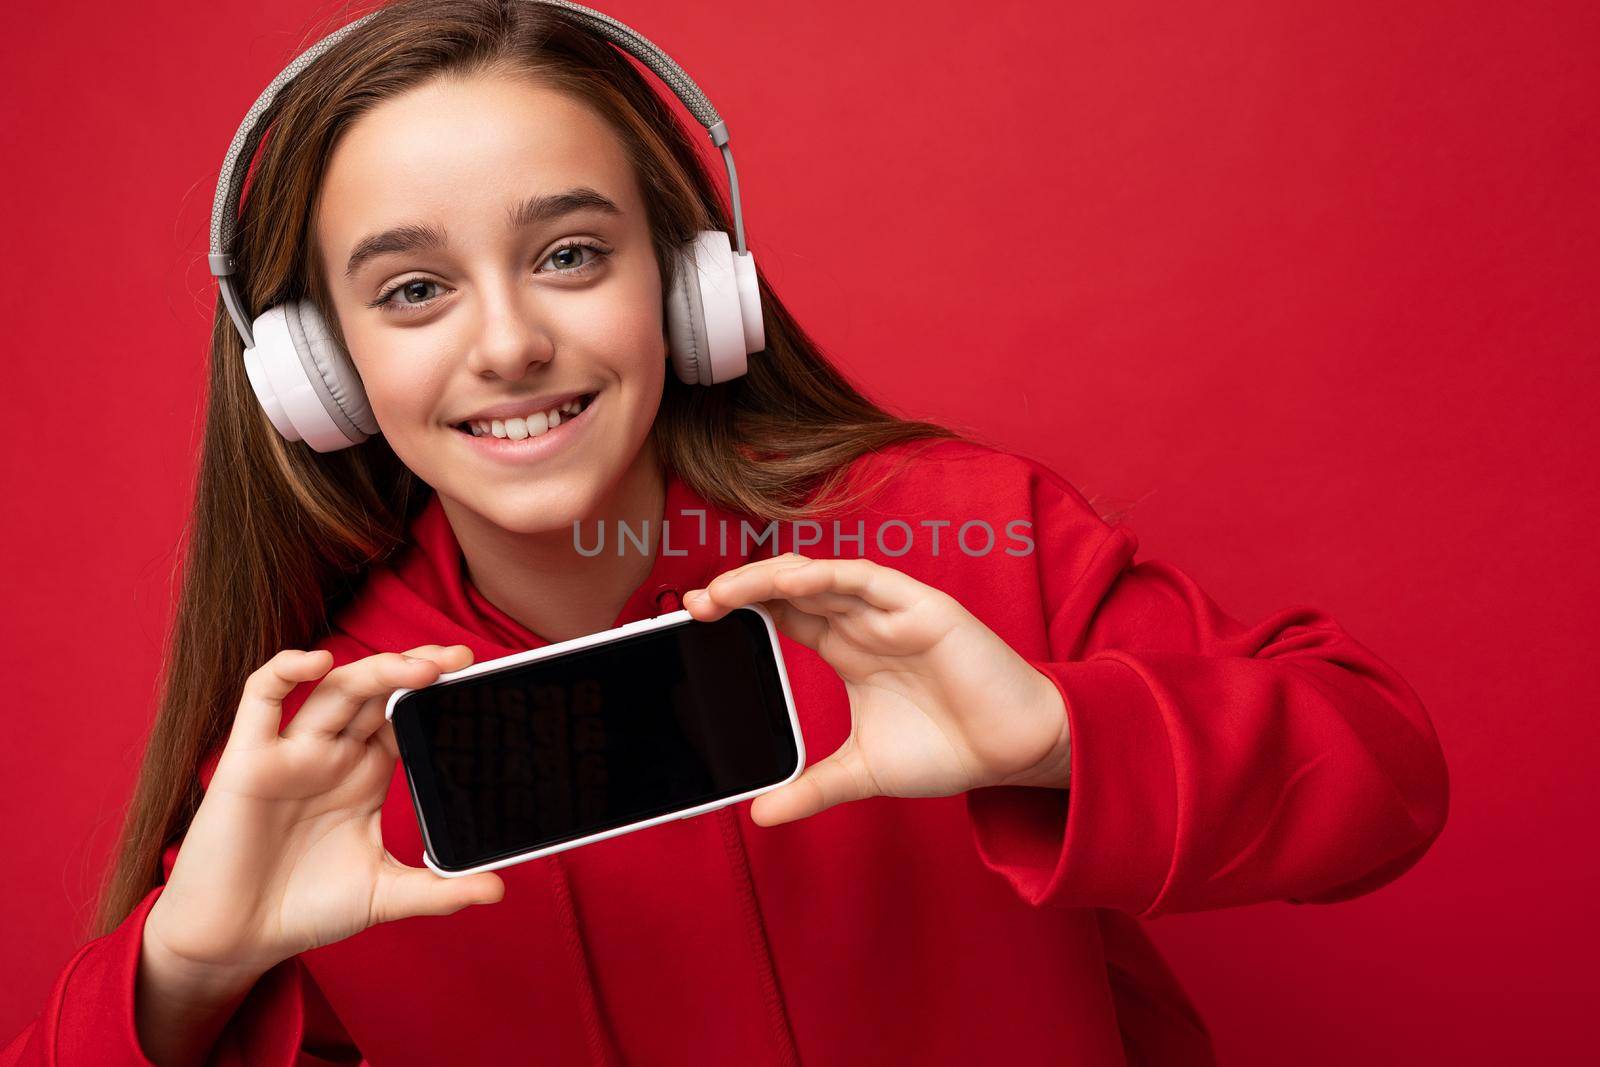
1313,283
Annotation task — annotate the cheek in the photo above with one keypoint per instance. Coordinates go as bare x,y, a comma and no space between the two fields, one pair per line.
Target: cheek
625,319
401,371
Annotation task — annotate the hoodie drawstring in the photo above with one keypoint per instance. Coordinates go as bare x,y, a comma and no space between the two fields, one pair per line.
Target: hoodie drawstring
667,598
601,1052
670,598
602,1048
756,931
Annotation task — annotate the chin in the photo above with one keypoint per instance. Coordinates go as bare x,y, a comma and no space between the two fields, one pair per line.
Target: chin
542,508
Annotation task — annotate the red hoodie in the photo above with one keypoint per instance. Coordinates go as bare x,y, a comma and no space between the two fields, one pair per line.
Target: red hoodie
1213,764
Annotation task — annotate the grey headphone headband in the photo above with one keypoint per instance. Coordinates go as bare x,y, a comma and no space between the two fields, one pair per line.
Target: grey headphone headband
241,149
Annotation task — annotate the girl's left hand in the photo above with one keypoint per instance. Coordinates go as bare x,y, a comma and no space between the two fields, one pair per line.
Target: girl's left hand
939,704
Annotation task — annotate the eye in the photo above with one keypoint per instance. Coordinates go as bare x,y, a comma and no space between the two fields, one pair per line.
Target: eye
414,291
568,252
409,289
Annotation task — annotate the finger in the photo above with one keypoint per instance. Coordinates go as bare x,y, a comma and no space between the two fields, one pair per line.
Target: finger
785,561
834,780
385,736
338,698
881,587
745,585
404,891
825,580
788,559
796,623
713,605
371,716
261,704
799,585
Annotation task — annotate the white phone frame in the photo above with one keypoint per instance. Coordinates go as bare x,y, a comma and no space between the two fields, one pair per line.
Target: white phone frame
658,622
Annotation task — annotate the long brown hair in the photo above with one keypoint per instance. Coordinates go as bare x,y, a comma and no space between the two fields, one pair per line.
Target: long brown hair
281,536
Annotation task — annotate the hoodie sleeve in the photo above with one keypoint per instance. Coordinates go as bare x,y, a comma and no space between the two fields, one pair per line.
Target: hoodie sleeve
89,1018
89,1021
1214,763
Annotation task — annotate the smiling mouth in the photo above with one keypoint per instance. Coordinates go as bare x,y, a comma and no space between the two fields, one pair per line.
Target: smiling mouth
520,429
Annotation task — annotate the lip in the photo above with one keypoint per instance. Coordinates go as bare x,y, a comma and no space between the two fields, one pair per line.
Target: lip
531,449
512,409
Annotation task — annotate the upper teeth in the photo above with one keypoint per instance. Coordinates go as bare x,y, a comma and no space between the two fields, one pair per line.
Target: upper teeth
525,426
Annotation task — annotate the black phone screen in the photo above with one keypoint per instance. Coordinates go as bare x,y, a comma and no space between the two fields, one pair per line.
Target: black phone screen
539,753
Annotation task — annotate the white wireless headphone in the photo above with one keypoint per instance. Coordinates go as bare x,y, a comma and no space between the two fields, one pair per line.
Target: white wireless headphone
305,379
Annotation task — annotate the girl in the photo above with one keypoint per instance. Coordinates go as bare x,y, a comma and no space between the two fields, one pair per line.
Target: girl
1034,739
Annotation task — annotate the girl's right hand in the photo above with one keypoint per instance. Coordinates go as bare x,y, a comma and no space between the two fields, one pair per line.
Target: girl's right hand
285,852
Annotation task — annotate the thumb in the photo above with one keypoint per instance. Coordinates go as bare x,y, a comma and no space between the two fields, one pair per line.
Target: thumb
835,780
418,891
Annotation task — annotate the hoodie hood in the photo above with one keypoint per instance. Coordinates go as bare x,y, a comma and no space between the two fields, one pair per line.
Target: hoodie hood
424,596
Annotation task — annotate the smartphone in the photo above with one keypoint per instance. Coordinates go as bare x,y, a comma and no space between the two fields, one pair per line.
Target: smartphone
545,750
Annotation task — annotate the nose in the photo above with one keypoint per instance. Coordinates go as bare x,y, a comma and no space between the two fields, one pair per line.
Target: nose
510,336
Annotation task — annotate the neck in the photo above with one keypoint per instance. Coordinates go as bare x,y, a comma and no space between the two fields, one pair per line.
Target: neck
542,581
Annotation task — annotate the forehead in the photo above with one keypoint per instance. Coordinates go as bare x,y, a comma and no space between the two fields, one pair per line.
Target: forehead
459,152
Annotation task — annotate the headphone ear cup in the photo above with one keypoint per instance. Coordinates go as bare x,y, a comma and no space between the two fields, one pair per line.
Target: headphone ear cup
334,368
261,383
686,323
713,311
305,380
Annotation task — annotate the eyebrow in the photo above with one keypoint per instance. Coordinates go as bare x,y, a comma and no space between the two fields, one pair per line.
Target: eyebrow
527,212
